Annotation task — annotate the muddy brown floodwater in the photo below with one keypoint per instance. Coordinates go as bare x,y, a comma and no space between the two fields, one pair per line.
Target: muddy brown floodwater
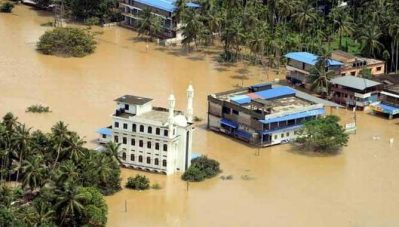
359,187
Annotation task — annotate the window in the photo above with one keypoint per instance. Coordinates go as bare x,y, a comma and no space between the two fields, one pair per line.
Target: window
149,129
140,158
353,73
116,139
134,127
235,112
165,133
165,147
126,106
156,161
275,137
149,144
157,131
124,126
164,163
140,143
132,157
282,135
141,128
133,142
116,124
123,156
148,160
226,110
104,136
124,140
287,134
379,69
156,146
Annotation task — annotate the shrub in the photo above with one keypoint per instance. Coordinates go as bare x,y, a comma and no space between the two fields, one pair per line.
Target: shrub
92,21
323,135
156,186
201,168
67,42
38,109
139,182
6,7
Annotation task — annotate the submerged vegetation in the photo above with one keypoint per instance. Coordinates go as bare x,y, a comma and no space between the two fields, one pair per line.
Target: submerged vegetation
139,182
201,168
56,181
67,42
322,135
6,7
38,109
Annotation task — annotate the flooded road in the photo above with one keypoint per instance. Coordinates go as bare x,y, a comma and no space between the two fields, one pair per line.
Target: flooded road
359,187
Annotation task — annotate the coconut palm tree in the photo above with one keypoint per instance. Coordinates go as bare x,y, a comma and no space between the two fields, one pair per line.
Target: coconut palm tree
67,172
394,33
10,121
112,151
34,170
44,214
149,24
60,135
69,204
305,15
75,148
22,145
192,27
320,80
343,23
369,37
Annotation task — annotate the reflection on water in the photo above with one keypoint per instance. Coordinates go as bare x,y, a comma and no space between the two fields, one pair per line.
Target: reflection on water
356,188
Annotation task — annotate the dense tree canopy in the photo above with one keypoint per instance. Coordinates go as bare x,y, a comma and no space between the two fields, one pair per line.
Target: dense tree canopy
324,135
201,168
67,42
62,182
272,28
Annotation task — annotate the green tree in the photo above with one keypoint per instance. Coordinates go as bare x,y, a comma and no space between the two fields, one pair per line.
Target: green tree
369,36
35,172
149,24
201,168
324,135
139,182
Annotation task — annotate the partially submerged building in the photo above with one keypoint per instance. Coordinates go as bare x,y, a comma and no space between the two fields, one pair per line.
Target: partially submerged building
354,91
152,138
299,65
164,9
388,101
353,65
263,114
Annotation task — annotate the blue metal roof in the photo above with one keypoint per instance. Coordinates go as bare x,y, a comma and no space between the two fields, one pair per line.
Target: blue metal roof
105,131
241,99
309,58
386,108
229,123
167,5
276,92
288,117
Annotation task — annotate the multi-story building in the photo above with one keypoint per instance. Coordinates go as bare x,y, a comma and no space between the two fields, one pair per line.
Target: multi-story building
165,9
299,65
152,138
354,91
263,114
388,101
353,65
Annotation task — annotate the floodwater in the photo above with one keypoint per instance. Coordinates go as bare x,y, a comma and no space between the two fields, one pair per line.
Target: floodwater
278,187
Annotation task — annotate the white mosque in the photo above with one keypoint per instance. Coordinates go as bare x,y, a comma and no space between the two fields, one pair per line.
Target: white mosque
152,138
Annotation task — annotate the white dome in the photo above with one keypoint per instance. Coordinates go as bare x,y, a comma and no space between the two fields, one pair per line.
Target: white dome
181,121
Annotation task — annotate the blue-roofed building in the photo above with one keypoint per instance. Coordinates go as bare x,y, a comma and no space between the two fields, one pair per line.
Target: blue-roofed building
165,9
263,114
299,65
388,103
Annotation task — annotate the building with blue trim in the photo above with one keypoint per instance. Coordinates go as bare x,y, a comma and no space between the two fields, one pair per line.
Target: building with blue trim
299,65
263,114
165,9
388,103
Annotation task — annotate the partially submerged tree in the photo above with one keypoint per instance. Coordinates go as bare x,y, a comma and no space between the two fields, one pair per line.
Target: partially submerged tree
201,168
68,42
323,135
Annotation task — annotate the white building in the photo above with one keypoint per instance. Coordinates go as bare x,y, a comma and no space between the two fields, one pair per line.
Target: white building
153,138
